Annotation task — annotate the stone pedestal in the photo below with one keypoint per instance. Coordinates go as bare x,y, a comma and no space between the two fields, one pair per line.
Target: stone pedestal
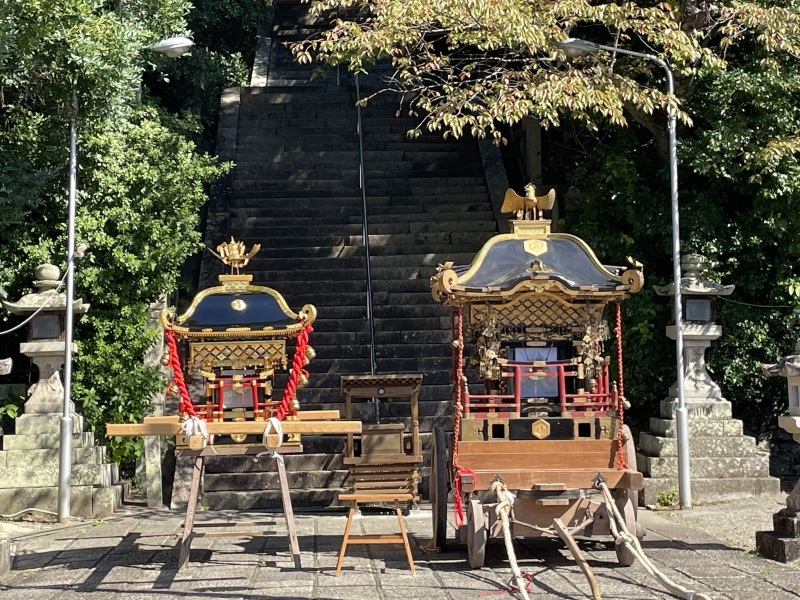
724,464
783,543
29,469
46,395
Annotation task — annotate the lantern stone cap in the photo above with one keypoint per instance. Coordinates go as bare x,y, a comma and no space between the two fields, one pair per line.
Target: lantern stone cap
48,279
788,366
692,284
789,424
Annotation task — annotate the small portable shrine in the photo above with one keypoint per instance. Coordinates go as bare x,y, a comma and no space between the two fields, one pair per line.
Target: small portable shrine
224,352
235,337
539,409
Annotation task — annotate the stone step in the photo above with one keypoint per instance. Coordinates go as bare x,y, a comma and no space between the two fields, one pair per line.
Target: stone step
697,410
700,428
350,172
332,299
331,382
220,482
292,288
45,457
45,440
426,262
698,446
265,229
381,325
334,157
418,186
47,475
303,199
86,502
711,489
719,466
294,462
378,165
465,251
45,424
261,499
414,242
428,394
335,271
311,211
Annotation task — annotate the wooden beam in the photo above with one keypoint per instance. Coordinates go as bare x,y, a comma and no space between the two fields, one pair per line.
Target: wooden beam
243,427
524,479
302,415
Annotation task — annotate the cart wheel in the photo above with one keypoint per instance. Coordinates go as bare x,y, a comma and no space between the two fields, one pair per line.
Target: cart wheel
438,487
476,534
627,502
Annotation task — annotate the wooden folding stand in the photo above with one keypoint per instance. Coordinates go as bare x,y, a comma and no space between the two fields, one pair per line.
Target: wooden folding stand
188,535
309,422
383,460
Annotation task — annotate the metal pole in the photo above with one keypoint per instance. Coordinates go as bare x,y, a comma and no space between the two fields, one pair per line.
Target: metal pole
681,413
373,363
65,462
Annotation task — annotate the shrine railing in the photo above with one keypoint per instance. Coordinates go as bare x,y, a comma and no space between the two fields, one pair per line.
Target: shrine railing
598,401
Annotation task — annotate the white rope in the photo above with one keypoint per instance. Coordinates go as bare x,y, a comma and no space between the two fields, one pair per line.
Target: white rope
196,426
505,503
273,425
624,537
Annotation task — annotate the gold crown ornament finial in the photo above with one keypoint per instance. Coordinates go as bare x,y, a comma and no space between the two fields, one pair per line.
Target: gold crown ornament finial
233,253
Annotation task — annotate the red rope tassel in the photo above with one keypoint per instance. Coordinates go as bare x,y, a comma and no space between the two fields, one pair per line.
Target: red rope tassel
621,462
458,507
185,405
298,361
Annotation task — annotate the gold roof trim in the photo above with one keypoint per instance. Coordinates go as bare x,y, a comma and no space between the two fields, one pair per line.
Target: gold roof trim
234,284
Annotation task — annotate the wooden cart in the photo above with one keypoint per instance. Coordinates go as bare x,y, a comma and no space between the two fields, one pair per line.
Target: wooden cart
540,409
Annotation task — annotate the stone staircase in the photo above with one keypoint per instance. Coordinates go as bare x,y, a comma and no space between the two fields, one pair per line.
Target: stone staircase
724,463
295,189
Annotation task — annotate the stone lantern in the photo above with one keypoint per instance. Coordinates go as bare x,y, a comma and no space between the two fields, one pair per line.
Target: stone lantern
783,544
725,464
30,457
699,299
46,346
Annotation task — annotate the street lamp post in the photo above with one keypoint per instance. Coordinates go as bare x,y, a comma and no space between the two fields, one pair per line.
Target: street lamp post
172,47
574,47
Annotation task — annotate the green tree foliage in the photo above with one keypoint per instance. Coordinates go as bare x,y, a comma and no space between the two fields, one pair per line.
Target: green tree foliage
473,66
225,38
140,184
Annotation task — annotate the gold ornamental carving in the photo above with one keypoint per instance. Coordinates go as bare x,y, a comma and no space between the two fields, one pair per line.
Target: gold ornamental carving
270,353
233,254
535,247
540,429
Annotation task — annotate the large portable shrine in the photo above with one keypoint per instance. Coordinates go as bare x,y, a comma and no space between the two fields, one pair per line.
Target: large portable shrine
536,405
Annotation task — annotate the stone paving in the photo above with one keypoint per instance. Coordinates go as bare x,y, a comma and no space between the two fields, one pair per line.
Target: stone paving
134,557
